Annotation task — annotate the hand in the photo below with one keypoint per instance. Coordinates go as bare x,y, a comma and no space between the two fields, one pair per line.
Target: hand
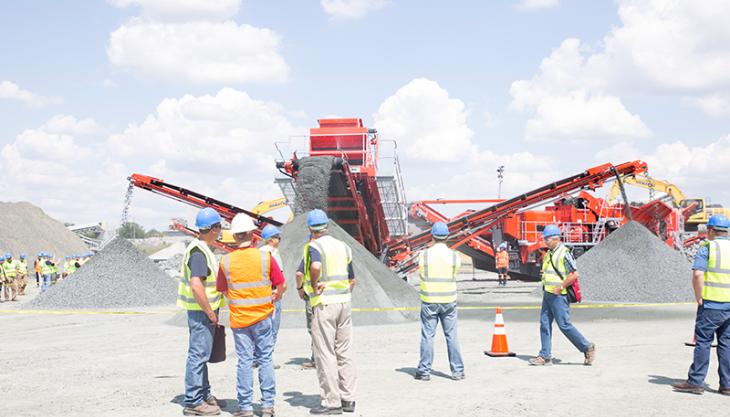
301,293
320,287
557,290
699,302
213,318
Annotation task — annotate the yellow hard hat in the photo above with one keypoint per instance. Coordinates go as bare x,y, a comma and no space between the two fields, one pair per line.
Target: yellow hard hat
227,237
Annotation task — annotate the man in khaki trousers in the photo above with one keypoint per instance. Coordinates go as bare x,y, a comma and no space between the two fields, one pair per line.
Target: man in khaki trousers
328,281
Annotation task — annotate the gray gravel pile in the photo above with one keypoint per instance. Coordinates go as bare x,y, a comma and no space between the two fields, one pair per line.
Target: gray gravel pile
119,276
632,265
377,286
26,228
313,183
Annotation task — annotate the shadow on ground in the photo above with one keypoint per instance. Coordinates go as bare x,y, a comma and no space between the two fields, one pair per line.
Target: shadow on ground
227,405
297,399
412,372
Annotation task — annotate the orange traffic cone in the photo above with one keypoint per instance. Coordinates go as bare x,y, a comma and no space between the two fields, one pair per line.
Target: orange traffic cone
499,338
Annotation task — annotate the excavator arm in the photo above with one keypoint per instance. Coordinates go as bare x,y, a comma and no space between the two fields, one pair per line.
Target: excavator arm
645,182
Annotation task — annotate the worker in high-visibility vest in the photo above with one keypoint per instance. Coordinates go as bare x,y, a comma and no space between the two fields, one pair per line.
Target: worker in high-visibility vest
501,261
22,274
246,276
46,272
198,295
559,271
10,267
2,277
438,266
711,284
271,238
328,281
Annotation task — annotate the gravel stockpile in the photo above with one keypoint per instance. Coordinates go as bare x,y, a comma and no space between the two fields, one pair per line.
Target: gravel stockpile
26,228
632,265
119,276
377,286
313,183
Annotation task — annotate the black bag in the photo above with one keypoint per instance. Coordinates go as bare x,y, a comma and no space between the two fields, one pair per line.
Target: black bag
218,354
573,291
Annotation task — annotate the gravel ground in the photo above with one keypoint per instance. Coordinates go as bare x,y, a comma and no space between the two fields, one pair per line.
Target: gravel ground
633,265
119,276
26,228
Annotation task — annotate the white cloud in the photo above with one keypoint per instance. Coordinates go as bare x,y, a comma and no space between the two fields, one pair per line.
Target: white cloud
537,4
426,122
351,9
715,105
220,145
71,125
184,9
199,52
11,91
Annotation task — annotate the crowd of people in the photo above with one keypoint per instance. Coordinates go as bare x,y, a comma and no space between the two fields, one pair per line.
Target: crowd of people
48,270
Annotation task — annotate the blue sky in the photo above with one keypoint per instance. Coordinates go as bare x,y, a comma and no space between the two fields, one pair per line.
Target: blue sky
545,87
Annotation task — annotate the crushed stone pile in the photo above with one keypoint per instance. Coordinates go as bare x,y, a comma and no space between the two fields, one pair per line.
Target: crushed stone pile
632,265
377,286
313,183
119,276
26,228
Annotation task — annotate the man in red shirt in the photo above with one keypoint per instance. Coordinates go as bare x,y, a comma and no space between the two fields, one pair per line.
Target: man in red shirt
246,277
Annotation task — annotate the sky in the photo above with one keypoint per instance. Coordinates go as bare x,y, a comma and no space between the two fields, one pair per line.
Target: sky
197,92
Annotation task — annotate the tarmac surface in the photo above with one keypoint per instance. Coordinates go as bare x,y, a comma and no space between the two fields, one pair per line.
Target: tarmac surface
108,364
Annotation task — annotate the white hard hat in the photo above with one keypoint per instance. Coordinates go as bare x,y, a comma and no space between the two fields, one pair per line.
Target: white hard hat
242,223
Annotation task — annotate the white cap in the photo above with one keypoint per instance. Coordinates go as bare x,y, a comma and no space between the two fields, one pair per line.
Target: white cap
242,223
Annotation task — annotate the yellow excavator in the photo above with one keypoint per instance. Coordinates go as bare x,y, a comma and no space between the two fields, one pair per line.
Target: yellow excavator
270,205
702,211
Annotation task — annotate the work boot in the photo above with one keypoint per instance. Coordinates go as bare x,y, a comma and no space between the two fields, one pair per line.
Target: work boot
540,361
590,354
267,412
321,410
308,365
216,402
687,387
203,409
458,377
724,391
348,406
422,377
242,413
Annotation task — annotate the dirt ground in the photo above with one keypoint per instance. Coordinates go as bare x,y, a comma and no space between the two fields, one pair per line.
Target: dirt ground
133,365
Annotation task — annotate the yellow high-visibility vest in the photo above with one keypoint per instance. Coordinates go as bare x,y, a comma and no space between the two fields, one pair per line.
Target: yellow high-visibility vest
717,277
336,255
10,268
550,277
185,297
438,266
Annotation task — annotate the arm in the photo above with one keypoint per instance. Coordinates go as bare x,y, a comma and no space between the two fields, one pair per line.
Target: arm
277,280
698,282
196,284
300,284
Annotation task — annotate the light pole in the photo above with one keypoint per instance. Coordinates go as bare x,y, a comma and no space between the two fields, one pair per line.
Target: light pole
500,177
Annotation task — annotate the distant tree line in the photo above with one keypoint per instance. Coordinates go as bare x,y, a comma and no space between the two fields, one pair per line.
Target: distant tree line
132,230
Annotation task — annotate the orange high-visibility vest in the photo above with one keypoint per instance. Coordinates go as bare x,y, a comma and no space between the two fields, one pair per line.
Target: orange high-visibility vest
248,274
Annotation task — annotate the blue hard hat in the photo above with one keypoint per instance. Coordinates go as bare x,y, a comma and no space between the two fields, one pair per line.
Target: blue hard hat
718,221
22,256
317,219
8,255
440,230
206,218
550,231
270,231
2,257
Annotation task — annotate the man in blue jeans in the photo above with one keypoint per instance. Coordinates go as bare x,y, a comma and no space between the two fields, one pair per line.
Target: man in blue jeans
438,266
711,284
198,295
271,238
558,273
246,277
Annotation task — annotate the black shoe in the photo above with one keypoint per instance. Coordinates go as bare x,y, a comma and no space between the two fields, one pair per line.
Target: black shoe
423,377
458,377
326,410
348,406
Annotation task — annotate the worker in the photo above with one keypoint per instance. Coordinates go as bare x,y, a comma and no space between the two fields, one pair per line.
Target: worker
22,274
271,238
438,266
46,272
197,294
2,278
328,281
559,271
501,260
10,267
299,277
711,284
38,261
246,276
54,268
